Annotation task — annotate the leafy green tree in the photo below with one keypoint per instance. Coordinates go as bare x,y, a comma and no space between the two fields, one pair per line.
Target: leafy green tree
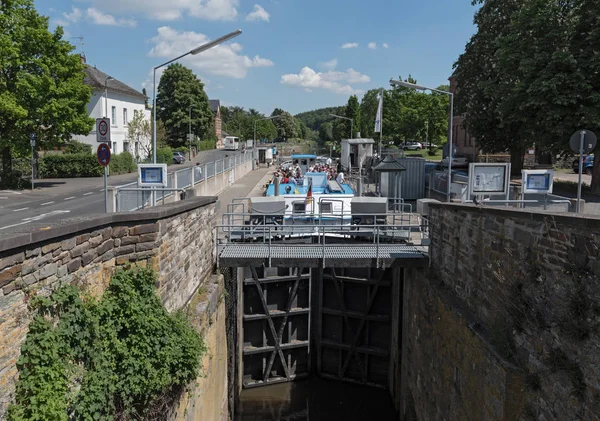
41,84
326,132
178,91
139,131
313,119
353,111
286,125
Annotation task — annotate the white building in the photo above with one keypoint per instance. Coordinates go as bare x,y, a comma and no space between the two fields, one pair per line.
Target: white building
118,102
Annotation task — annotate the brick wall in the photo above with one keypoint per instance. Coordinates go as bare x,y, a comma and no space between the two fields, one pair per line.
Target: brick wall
175,240
512,289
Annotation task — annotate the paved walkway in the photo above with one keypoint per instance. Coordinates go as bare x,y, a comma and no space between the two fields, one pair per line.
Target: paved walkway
252,184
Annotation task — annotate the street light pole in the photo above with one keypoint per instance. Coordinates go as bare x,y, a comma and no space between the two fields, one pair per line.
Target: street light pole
351,123
106,95
450,148
106,166
195,51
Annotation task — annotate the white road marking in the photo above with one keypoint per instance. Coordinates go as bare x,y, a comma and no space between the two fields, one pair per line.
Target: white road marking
88,193
3,197
101,190
69,198
10,191
47,203
19,210
35,218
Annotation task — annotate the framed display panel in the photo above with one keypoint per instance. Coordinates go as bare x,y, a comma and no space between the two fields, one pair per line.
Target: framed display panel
152,175
538,181
489,179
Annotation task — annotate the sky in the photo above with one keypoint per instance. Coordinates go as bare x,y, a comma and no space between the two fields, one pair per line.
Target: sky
297,55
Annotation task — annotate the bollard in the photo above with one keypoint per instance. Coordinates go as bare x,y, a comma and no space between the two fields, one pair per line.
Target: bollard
573,206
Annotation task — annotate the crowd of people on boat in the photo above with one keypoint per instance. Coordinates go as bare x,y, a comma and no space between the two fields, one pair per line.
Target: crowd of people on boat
293,173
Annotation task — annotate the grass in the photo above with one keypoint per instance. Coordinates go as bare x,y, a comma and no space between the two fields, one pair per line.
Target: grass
424,153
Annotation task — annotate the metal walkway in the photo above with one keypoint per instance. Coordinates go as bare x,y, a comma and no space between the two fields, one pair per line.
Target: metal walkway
313,255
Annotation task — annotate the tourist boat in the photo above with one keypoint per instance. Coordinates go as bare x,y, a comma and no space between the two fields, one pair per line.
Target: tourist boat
315,198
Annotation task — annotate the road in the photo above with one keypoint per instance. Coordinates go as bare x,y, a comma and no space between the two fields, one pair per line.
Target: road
56,199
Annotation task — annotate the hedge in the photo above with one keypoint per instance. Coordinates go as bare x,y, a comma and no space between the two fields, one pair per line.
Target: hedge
122,163
83,165
164,156
69,165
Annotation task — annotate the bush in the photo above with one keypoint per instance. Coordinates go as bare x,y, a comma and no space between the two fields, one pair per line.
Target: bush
207,145
76,147
122,357
69,165
183,149
122,163
164,156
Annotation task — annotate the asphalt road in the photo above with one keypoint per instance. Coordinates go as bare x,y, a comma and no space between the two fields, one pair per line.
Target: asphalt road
56,199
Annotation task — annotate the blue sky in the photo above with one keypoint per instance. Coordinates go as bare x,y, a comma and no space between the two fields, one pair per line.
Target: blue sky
297,55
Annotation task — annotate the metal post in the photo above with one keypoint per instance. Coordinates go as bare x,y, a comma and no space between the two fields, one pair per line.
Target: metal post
450,145
381,125
32,162
106,190
190,135
581,140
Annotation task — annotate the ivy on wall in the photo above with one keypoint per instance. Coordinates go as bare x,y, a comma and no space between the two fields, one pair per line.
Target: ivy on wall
121,357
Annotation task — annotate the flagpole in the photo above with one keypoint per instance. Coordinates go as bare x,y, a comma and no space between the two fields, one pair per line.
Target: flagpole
381,124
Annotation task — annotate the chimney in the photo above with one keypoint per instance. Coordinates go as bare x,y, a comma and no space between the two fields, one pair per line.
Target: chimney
82,58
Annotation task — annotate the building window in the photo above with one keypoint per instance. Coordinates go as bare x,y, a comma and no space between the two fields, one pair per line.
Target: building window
114,148
114,116
126,147
125,121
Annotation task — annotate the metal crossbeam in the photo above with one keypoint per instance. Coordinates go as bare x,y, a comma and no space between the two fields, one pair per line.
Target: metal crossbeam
277,348
362,323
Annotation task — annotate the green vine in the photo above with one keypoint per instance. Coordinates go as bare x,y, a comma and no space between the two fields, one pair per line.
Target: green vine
122,357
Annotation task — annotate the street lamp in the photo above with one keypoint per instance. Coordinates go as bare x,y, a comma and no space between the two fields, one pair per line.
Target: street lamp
346,118
195,51
261,119
106,95
424,88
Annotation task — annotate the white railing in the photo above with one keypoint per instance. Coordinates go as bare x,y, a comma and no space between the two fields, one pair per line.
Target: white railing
129,197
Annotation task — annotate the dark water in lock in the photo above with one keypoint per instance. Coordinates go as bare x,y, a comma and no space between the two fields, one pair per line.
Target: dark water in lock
315,400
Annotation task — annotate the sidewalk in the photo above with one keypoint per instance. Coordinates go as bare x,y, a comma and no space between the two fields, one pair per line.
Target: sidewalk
250,185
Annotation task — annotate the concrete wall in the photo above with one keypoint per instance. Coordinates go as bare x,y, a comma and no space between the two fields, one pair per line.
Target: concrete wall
505,325
176,240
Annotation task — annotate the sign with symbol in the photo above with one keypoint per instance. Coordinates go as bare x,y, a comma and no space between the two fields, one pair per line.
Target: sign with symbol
103,154
103,130
589,141
32,139
489,179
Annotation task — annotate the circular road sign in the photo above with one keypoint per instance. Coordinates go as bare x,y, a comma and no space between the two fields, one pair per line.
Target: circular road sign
589,141
103,154
103,128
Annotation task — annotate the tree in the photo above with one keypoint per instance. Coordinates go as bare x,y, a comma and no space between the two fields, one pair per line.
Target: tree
41,84
178,91
140,131
286,125
353,111
326,132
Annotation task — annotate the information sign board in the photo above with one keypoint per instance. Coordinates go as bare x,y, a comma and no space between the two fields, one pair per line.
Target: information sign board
152,175
489,179
538,181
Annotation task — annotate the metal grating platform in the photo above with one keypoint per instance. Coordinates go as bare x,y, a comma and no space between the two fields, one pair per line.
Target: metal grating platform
334,251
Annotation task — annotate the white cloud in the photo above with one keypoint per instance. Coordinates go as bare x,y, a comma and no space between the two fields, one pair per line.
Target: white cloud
99,18
385,45
224,59
331,81
372,46
168,10
329,65
258,14
94,16
350,45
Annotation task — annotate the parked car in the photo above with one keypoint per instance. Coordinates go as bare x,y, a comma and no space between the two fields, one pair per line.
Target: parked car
178,158
412,146
588,165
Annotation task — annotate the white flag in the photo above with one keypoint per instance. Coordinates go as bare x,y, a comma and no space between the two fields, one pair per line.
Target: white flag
379,115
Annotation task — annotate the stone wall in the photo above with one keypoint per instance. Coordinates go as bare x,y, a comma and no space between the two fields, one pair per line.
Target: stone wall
207,398
506,288
176,240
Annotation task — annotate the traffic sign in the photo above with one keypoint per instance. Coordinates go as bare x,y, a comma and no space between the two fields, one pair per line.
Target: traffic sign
589,141
103,154
103,130
32,139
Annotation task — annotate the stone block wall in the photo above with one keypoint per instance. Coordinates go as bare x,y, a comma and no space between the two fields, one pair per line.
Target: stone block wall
176,240
517,287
